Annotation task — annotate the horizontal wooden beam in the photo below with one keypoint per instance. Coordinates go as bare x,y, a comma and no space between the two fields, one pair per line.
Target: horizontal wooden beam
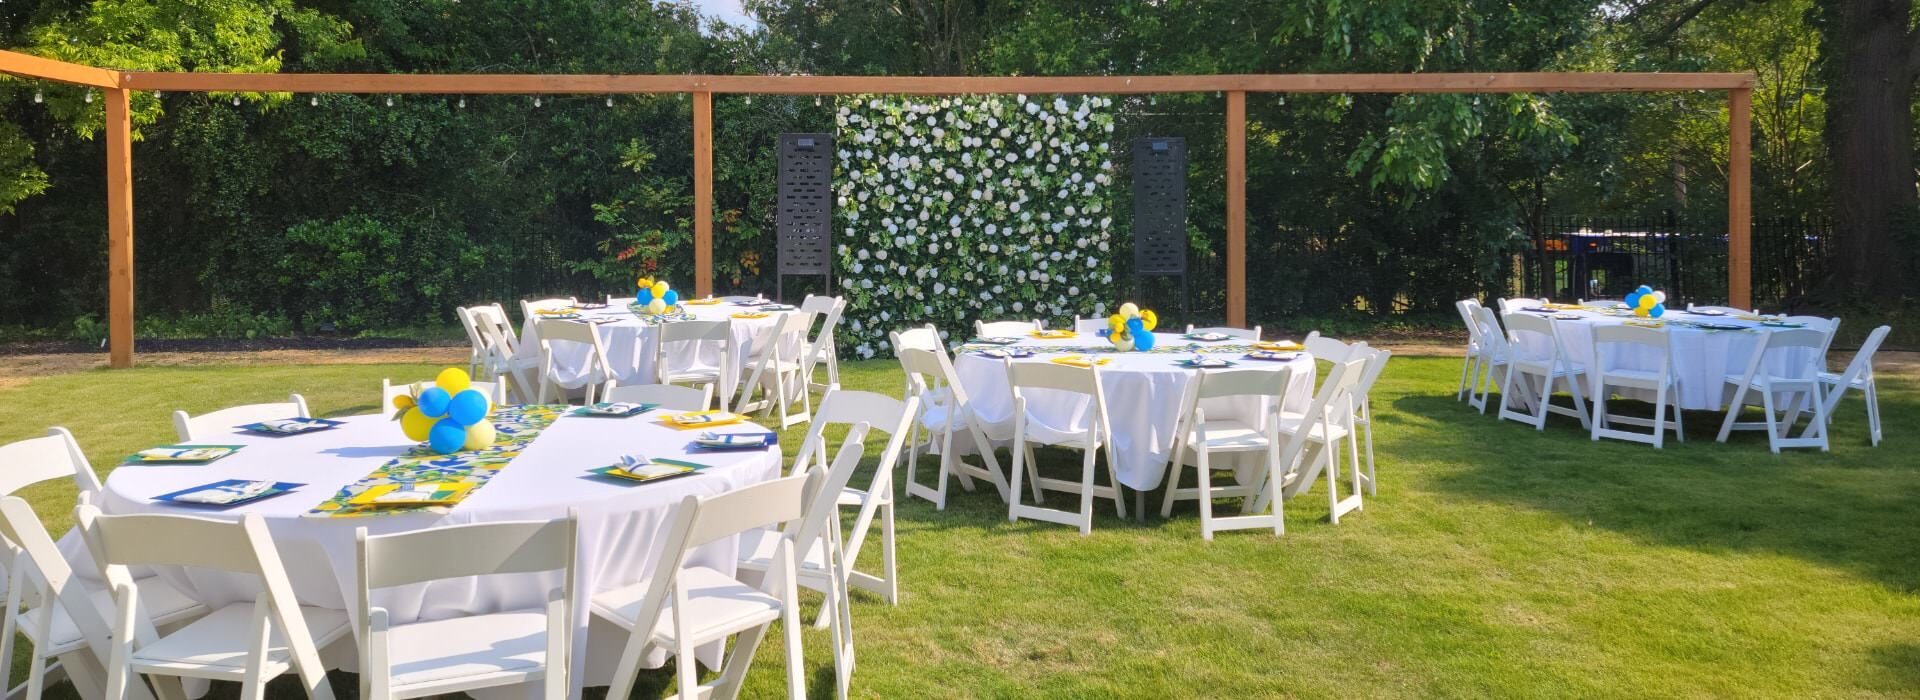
30,66
399,83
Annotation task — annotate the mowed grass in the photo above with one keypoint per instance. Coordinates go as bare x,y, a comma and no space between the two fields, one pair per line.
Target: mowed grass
1495,561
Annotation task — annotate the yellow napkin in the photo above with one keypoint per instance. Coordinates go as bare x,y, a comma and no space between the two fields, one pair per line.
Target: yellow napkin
1647,324
750,314
701,302
557,312
1564,307
695,420
1280,346
419,494
1053,335
1080,361
1750,317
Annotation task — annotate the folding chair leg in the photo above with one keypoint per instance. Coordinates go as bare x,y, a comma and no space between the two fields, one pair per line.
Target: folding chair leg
1773,421
1873,414
1733,413
1086,494
1206,494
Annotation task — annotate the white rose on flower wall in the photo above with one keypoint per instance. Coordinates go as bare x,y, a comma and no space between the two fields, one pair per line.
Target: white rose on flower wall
970,175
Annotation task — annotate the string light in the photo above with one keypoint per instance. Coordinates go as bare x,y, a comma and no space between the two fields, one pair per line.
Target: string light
314,101
536,102
1153,99
749,99
38,98
463,103
389,101
609,101
816,100
89,97
236,100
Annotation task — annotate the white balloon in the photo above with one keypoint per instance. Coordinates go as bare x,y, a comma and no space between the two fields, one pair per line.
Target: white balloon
1659,297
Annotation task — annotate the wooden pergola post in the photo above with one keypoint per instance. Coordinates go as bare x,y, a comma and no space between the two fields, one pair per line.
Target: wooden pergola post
119,129
1237,208
703,193
1740,198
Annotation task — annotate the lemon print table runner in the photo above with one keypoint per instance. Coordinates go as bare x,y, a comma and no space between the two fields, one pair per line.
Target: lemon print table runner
460,472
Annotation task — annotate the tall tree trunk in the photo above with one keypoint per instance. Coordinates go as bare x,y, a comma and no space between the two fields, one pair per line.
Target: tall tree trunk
1869,54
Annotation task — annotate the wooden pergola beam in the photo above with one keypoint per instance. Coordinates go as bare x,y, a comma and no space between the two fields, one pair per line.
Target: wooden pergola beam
538,84
30,66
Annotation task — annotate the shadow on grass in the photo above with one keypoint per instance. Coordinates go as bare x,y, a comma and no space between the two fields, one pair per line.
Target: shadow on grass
1855,508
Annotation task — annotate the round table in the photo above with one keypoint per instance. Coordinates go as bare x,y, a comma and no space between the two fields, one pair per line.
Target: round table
618,531
1144,391
1702,358
632,346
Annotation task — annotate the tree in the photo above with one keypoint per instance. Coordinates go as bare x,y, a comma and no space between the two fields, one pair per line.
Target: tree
1870,56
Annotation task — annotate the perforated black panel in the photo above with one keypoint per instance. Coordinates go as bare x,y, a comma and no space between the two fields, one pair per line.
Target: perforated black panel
1160,206
804,216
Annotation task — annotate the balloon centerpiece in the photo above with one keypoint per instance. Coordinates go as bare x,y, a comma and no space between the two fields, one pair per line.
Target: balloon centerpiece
1131,328
1647,303
655,297
449,416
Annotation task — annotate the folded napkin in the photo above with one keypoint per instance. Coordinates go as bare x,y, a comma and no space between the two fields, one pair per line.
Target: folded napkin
425,493
1273,355
183,454
1706,312
709,301
750,314
1209,337
621,408
1080,361
1054,334
705,418
1283,345
227,493
1647,324
1206,362
285,425
1567,317
733,439
563,311
639,468
996,340
1004,353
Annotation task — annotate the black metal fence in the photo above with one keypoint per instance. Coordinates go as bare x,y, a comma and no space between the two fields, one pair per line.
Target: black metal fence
1607,257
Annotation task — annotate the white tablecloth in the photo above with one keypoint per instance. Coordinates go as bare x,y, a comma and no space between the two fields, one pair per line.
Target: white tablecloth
1143,391
632,345
1702,358
619,524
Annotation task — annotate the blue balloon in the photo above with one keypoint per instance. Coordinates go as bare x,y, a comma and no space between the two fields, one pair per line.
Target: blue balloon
467,407
447,436
433,402
672,297
1658,309
1633,300
1142,340
645,296
1644,289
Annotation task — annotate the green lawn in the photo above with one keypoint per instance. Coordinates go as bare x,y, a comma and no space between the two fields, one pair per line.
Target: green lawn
1496,561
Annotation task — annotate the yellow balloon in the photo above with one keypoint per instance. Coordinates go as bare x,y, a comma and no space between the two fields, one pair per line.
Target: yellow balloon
1148,319
454,380
659,289
1116,322
403,402
657,306
1129,310
645,282
479,435
1647,301
416,424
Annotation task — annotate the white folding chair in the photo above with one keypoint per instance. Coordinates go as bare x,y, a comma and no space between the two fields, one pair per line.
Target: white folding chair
821,349
668,396
944,412
1507,306
529,308
459,654
595,376
501,360
478,352
206,425
1550,369
925,337
1089,325
684,338
1199,438
496,392
1312,445
1491,367
1362,394
682,607
1469,365
64,614
1606,372
1328,349
1237,333
1859,377
823,563
251,643
893,417
776,373
984,329
1026,378
1830,326
1800,383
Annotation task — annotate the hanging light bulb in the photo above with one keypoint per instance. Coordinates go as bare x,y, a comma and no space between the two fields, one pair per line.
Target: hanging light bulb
609,102
389,101
536,102
1283,100
236,100
816,100
314,101
38,98
1153,99
89,97
463,103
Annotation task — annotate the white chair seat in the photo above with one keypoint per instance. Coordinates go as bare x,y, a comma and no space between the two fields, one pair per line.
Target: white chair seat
480,647
1316,431
216,643
935,416
1762,381
718,605
1541,367
851,496
1230,436
1043,434
163,602
1834,378
1649,377
757,546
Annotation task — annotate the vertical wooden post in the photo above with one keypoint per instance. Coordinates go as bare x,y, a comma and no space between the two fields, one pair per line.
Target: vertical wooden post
1740,198
703,193
1237,209
119,129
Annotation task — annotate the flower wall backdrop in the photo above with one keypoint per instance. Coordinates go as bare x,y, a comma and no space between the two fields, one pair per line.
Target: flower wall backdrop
964,208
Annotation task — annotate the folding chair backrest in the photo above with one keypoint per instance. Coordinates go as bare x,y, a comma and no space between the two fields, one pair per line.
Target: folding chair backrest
822,503
554,331
530,307
24,533
1862,363
923,338
786,325
672,397
459,551
1508,306
53,456
828,310
1001,328
205,425
493,317
1336,389
1243,382
766,504
1330,349
1488,324
1240,333
1830,326
1608,338
1789,339
1376,364
465,315
929,370
1467,307
1047,375
1522,325
1089,325
847,407
689,331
